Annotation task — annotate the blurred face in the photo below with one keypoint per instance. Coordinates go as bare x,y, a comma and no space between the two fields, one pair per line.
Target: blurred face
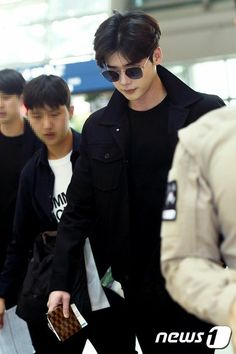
10,107
134,89
51,125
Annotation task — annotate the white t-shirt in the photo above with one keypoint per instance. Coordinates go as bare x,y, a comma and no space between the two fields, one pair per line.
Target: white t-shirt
62,170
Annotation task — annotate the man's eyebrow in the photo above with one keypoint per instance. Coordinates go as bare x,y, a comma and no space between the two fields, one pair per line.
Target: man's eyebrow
126,65
34,109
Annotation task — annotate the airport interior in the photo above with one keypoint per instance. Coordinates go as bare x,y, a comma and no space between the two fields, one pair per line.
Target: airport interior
56,37
50,36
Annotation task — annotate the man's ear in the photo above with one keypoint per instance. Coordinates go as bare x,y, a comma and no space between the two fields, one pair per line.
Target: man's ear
21,100
157,56
71,111
25,112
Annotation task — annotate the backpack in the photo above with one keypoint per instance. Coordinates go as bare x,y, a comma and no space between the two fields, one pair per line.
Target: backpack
32,302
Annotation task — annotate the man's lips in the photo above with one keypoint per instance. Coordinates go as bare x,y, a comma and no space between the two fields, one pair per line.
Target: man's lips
49,135
129,91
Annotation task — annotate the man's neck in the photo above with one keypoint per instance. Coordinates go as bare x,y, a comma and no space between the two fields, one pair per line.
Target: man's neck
61,150
13,128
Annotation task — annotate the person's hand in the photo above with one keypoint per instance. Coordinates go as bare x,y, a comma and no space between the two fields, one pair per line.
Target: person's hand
232,324
2,311
59,298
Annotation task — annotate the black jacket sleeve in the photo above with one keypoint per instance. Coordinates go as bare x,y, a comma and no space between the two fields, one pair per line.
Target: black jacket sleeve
24,232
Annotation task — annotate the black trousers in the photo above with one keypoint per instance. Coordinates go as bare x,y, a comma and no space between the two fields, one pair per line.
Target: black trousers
45,342
108,330
159,323
159,329
159,333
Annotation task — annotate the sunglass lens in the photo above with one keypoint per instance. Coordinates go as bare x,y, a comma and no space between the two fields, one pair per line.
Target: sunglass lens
110,75
134,73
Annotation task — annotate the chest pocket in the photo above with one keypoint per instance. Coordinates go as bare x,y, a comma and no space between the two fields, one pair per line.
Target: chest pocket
107,164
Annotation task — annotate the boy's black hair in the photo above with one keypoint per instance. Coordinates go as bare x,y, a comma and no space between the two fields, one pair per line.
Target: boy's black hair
46,90
134,34
11,82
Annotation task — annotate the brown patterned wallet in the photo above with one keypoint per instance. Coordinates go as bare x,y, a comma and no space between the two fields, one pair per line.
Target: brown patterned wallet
63,327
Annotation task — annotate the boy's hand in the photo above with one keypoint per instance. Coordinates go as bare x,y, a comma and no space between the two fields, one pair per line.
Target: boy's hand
2,311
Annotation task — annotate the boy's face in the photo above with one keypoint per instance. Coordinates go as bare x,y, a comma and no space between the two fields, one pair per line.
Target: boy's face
51,125
10,107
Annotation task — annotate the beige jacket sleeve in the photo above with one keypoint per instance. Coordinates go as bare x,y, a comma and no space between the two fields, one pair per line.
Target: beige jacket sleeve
190,255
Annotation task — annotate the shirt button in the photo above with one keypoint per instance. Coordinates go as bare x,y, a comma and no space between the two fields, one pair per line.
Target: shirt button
107,155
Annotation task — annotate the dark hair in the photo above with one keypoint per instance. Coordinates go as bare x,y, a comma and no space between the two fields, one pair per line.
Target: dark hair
50,90
133,34
11,82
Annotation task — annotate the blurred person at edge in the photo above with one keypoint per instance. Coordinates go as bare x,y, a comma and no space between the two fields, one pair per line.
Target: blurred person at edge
17,144
40,203
198,232
118,187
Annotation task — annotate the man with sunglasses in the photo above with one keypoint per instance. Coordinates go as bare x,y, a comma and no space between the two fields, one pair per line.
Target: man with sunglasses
118,188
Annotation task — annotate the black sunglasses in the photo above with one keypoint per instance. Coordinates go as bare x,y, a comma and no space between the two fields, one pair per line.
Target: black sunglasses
133,72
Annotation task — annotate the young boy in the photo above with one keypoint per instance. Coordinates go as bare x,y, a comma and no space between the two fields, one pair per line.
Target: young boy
17,144
40,203
47,100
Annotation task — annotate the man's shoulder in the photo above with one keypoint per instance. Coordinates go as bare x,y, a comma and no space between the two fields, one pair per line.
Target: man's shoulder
183,95
95,117
211,120
92,125
211,101
208,128
205,104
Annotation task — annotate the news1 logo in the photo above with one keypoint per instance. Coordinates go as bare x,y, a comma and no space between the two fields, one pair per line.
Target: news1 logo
217,338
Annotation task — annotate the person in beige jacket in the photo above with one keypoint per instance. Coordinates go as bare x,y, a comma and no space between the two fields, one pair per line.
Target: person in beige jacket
199,220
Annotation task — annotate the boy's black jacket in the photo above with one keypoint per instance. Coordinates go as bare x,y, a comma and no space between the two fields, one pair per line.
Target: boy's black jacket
33,215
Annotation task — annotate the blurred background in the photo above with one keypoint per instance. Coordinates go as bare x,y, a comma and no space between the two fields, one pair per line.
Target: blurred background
50,36
56,37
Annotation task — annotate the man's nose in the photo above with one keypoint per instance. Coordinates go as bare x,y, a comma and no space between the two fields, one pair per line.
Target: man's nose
123,77
47,122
